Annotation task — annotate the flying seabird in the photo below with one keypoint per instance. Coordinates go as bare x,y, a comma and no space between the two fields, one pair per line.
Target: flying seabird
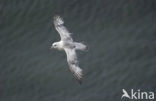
69,46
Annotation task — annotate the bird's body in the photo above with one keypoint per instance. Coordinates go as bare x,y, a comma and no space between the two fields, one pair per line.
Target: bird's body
69,46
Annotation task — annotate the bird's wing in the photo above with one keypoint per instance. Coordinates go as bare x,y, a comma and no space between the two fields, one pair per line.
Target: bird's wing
73,64
62,30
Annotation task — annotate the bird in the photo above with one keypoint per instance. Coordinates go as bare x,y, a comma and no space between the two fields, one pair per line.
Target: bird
125,94
70,47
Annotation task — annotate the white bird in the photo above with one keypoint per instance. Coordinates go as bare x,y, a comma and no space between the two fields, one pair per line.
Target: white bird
69,46
125,94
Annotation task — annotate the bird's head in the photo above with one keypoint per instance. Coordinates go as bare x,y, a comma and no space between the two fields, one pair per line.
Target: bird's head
55,45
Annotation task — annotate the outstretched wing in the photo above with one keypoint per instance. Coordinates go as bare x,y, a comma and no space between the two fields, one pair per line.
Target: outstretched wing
62,30
73,64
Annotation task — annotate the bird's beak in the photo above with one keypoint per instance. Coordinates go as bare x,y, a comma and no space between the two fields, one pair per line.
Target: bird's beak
51,47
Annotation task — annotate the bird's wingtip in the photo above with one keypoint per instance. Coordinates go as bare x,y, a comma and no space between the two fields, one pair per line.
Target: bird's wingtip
78,75
58,20
80,81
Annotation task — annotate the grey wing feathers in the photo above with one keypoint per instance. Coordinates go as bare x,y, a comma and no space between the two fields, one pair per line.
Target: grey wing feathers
73,64
77,72
64,33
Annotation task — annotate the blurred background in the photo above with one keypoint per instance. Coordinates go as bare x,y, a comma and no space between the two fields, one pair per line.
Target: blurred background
121,35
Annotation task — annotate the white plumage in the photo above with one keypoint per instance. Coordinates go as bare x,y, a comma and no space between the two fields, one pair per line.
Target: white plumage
69,46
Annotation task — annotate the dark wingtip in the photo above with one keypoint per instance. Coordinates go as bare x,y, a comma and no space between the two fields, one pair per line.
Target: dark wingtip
80,82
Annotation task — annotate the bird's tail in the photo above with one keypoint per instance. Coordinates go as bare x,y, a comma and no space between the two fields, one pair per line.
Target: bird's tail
81,46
